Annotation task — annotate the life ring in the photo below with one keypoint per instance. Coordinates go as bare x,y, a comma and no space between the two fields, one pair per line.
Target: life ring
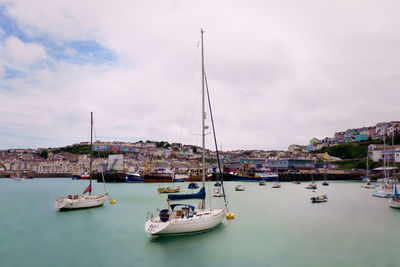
164,215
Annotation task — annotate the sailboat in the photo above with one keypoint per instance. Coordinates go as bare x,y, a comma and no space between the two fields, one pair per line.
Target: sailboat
83,201
326,157
368,184
386,190
394,201
188,219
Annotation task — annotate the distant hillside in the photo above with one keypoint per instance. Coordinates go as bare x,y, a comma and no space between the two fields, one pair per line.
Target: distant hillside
80,149
354,154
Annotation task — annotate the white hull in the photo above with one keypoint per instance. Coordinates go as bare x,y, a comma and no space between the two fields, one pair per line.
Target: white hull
394,204
204,220
382,193
80,202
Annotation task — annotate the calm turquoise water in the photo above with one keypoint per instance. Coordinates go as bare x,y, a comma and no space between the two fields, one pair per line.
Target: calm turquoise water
273,227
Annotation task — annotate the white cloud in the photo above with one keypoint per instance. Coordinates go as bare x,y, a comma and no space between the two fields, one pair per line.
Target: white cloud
20,55
279,72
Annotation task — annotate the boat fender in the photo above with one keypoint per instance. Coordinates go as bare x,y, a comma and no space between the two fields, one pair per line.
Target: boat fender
230,215
164,215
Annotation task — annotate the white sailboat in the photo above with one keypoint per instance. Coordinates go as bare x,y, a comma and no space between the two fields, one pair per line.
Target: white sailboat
83,201
188,219
386,189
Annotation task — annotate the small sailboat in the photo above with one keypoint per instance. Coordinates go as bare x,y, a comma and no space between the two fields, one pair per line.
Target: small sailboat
83,201
394,201
184,218
240,188
319,199
326,157
386,189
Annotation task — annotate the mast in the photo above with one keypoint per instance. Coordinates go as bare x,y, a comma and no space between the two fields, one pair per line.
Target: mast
203,116
91,151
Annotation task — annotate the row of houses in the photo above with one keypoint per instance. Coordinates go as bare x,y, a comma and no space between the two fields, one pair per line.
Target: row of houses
380,130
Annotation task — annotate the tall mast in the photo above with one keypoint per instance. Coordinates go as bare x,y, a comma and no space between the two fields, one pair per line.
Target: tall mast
91,151
203,116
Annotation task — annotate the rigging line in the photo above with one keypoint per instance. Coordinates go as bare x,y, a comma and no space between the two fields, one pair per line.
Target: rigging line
188,98
215,138
102,172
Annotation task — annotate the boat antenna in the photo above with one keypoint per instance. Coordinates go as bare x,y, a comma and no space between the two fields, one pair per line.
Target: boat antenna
91,151
203,116
215,141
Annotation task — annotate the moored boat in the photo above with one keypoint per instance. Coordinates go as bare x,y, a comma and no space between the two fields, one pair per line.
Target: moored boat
262,182
134,178
83,201
168,189
240,188
193,185
188,219
319,199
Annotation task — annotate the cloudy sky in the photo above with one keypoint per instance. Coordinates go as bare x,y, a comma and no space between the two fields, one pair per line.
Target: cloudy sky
279,72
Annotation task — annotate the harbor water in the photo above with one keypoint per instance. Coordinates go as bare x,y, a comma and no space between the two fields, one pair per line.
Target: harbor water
272,227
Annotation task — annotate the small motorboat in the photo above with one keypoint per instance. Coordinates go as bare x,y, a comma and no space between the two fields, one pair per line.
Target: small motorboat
319,199
312,186
262,182
217,183
218,192
193,186
276,185
239,188
168,189
296,182
325,183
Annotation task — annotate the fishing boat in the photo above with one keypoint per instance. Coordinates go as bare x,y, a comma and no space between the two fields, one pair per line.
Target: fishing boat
262,182
134,178
83,201
244,175
184,218
168,190
83,176
180,177
319,199
239,188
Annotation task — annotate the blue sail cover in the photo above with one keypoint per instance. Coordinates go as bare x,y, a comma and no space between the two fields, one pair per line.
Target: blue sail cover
199,195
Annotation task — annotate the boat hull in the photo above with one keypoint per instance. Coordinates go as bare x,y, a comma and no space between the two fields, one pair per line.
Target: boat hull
382,193
394,204
132,178
83,202
204,221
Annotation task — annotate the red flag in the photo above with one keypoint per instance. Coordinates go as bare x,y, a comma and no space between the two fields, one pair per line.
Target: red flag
88,189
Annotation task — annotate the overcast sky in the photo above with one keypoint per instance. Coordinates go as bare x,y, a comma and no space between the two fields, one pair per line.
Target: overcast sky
279,72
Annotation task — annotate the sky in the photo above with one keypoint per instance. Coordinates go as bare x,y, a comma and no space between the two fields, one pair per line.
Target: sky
279,72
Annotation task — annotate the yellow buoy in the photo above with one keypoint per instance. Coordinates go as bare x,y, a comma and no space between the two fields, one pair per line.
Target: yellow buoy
230,216
112,201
